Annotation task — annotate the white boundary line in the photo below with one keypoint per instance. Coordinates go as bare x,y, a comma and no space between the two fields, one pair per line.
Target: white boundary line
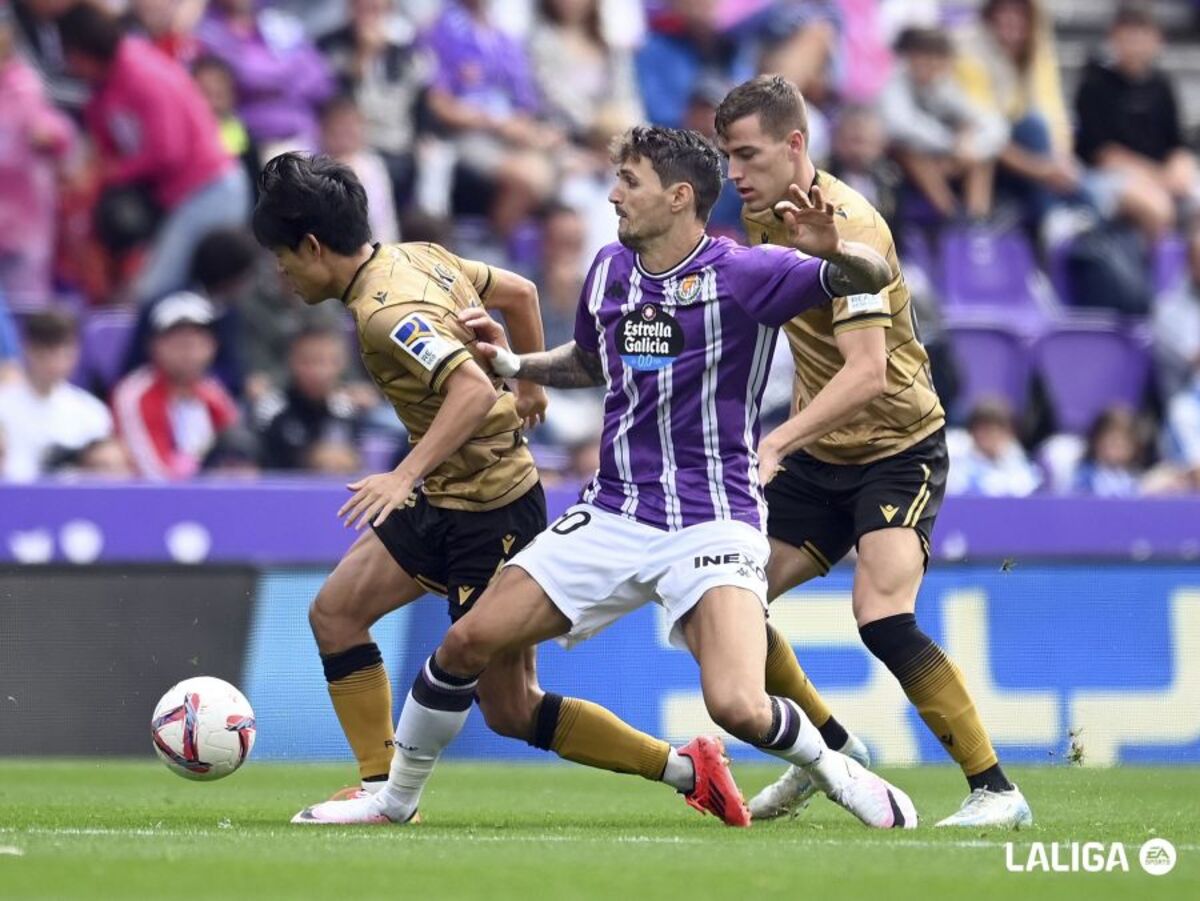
417,835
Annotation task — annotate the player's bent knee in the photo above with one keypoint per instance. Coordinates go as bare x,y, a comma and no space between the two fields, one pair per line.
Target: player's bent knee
463,651
741,715
332,626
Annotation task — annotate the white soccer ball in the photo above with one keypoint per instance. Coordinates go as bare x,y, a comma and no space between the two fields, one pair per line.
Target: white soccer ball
203,728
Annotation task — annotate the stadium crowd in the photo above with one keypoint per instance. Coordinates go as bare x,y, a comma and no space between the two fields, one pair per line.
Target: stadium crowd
1049,237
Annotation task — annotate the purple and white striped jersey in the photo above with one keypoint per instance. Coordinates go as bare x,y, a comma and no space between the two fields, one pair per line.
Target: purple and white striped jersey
685,355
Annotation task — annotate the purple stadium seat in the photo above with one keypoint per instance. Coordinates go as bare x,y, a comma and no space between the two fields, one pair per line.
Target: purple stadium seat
1170,263
1088,368
105,337
988,276
993,362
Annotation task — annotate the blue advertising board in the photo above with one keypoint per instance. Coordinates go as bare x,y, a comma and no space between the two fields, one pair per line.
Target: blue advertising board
1106,656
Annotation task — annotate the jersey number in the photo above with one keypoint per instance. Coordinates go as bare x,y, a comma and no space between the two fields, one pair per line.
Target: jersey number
568,523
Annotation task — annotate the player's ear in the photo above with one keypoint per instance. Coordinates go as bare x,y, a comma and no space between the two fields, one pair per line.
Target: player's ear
682,196
310,247
797,143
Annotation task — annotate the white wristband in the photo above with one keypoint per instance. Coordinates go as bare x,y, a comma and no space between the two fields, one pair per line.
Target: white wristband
506,363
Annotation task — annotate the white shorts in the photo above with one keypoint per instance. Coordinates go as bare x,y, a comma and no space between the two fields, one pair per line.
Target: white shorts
596,567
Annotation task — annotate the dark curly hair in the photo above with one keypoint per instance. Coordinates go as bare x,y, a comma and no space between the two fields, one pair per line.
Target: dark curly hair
676,155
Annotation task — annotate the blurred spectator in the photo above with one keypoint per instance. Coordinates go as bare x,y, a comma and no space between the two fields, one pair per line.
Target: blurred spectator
168,25
222,273
281,78
313,410
1129,126
940,136
44,410
1113,462
684,45
34,136
375,57
235,454
866,50
38,36
104,458
859,158
584,82
799,40
562,270
332,458
10,345
215,80
1008,65
171,411
1182,432
991,462
155,135
1177,326
343,137
483,95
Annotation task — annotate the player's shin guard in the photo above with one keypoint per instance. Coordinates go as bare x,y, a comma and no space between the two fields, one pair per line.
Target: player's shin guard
937,689
362,699
434,713
787,679
589,734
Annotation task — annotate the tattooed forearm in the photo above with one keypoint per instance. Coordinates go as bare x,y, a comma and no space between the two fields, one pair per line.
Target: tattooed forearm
857,269
566,366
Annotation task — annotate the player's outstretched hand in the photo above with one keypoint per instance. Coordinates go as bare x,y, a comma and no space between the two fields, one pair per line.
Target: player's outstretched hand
809,220
375,497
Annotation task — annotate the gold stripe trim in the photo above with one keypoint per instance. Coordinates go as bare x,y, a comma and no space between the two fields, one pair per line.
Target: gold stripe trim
815,553
908,517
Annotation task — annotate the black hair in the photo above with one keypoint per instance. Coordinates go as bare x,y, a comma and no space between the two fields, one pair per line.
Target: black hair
90,30
302,195
931,41
50,328
223,257
676,155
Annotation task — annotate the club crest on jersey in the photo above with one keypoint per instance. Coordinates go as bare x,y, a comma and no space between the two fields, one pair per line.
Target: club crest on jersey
648,338
689,289
417,338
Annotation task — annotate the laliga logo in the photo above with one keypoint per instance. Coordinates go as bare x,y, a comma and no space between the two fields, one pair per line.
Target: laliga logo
1157,857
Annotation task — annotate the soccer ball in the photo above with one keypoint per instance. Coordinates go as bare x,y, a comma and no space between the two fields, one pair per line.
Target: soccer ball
203,728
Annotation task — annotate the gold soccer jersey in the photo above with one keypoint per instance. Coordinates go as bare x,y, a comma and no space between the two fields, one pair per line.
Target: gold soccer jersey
909,409
404,300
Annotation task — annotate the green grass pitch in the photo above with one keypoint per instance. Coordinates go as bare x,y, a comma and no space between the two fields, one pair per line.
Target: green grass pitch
132,830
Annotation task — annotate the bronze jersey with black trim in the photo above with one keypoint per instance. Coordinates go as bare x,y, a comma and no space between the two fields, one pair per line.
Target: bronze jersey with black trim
909,410
405,300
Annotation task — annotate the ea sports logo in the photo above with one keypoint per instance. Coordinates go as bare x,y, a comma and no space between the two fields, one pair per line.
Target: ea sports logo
1157,857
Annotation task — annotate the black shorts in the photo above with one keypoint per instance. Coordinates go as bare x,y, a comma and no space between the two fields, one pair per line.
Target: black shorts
824,508
457,552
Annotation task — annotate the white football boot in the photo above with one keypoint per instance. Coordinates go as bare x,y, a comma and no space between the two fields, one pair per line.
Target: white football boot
361,810
1007,809
872,799
791,792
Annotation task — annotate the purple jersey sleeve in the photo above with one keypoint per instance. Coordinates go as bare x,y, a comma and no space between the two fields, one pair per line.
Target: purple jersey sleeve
776,284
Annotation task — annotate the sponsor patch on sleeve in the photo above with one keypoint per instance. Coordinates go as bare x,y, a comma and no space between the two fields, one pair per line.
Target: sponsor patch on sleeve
416,337
857,304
